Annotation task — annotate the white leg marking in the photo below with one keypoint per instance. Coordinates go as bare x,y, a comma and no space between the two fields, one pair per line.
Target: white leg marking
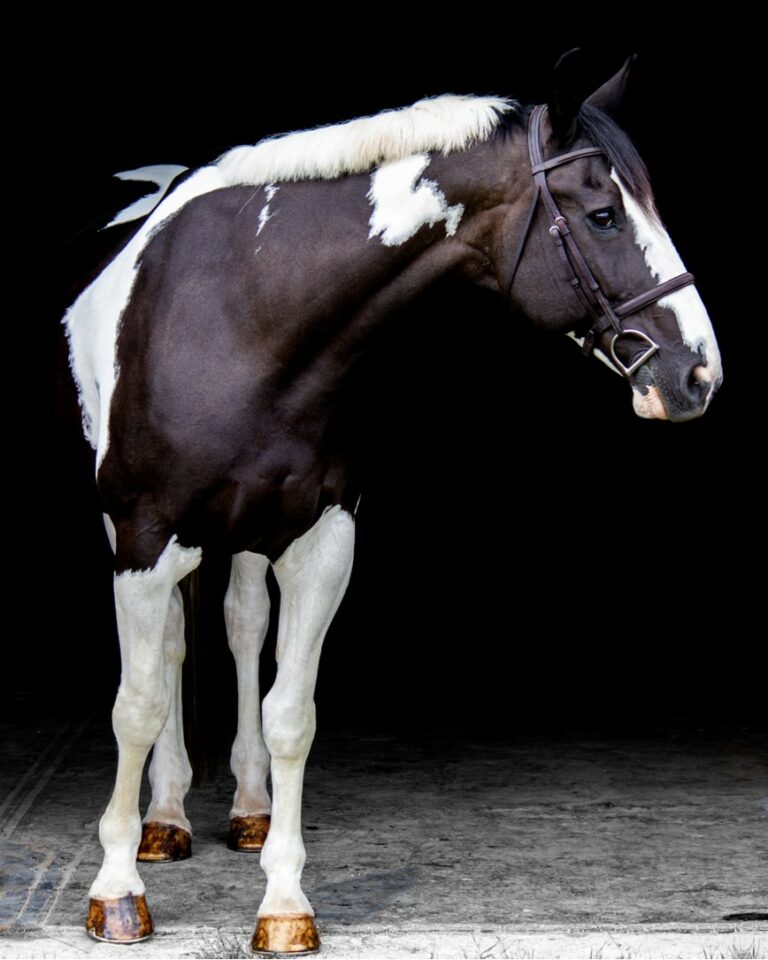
170,773
313,574
143,701
400,208
162,175
246,611
93,320
665,262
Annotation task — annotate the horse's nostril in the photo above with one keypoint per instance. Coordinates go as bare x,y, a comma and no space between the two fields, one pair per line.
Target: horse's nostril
699,383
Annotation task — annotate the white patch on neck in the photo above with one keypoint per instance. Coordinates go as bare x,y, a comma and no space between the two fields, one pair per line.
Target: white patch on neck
665,262
400,208
162,175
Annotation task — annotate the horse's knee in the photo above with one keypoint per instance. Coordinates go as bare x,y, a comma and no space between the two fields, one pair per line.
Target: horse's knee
140,711
289,728
246,603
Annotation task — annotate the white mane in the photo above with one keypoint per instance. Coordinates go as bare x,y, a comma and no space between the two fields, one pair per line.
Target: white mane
441,124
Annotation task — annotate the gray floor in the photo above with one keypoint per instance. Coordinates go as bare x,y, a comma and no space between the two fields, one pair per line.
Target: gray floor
474,835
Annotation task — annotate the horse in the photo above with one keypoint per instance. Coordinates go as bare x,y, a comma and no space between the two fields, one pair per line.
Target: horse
213,355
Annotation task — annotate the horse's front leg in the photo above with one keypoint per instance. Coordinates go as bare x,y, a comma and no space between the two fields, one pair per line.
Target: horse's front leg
313,574
118,910
246,611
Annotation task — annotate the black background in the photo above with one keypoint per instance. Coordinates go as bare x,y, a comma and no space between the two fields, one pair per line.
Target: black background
530,553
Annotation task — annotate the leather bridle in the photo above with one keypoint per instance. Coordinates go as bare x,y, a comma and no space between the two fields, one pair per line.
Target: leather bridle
604,315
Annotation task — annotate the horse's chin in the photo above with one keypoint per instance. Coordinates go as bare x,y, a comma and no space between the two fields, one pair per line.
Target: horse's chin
649,404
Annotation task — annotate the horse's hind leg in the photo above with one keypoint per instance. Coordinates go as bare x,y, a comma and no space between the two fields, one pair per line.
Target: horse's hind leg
166,833
246,611
118,910
313,574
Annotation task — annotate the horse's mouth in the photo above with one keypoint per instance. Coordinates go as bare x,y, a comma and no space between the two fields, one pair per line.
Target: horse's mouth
655,398
647,403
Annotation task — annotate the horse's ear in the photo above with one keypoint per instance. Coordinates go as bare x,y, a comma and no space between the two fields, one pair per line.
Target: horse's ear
609,97
567,95
571,84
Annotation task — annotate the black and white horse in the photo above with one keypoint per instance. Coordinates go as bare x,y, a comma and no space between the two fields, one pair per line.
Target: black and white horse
213,356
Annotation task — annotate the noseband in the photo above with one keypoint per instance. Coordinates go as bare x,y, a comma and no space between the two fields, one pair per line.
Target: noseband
604,314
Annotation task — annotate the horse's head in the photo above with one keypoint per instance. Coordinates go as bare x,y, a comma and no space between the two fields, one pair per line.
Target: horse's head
592,258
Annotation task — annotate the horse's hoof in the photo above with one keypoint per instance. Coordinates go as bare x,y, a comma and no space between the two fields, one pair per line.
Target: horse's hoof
164,842
287,933
248,834
126,920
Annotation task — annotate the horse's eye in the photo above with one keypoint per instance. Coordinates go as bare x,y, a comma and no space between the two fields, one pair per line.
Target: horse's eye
603,218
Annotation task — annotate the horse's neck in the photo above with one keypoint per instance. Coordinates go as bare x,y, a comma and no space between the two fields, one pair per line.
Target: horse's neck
427,218
336,261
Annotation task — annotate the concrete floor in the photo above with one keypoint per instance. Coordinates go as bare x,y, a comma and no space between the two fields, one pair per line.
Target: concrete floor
424,846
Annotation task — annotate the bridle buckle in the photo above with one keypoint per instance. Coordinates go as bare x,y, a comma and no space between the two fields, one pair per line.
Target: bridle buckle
628,370
559,227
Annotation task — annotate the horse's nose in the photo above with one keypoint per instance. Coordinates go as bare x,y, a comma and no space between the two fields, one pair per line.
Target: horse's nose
698,385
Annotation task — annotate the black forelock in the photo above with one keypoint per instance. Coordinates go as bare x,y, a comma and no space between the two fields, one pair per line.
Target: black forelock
603,132
597,127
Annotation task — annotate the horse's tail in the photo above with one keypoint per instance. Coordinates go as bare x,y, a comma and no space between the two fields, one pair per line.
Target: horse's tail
196,697
162,175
